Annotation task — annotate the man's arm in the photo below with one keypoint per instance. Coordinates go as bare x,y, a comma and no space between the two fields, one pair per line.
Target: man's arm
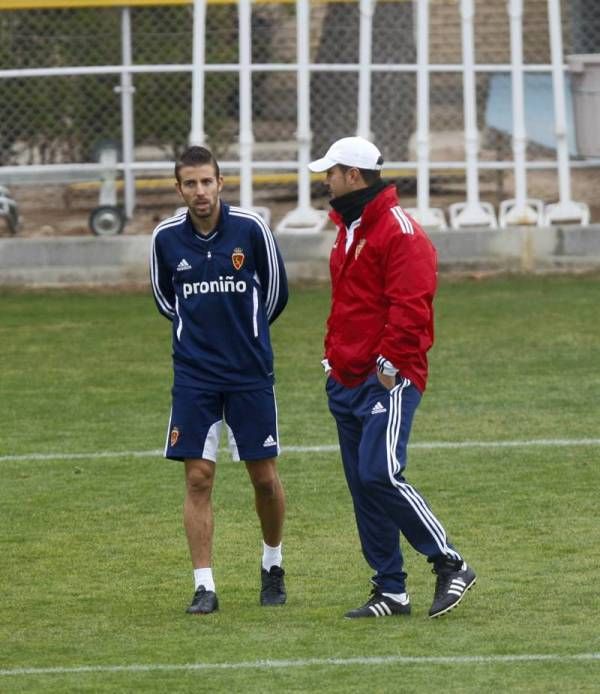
271,271
411,275
160,278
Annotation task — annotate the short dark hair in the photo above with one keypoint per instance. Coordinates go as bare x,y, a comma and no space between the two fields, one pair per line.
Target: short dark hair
196,156
370,176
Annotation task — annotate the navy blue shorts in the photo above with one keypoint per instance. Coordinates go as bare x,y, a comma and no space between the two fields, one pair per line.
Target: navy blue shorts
197,418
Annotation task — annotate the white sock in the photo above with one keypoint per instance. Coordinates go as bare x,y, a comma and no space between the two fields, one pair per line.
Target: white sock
204,577
402,598
271,556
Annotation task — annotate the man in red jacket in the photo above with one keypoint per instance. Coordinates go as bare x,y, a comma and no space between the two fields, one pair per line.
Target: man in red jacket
383,276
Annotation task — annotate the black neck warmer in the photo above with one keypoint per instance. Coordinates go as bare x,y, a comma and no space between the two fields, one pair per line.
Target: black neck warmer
351,205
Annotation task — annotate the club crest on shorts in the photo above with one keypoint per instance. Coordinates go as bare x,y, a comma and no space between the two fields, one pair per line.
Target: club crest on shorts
174,436
237,258
359,246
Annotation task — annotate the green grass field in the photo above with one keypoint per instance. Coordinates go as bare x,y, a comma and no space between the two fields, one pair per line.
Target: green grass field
94,571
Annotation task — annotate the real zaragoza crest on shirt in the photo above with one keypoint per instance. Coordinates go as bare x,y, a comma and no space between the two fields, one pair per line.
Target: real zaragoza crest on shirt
237,258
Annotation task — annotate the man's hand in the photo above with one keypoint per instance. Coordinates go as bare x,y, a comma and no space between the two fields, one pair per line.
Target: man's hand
326,366
386,372
386,381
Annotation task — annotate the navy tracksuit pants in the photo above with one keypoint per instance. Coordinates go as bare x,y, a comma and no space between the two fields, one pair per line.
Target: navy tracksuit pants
373,429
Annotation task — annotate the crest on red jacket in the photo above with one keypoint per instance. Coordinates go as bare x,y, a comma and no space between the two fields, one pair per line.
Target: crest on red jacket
359,246
237,258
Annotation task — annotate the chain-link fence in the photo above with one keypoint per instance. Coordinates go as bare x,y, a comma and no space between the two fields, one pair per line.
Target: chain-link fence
65,118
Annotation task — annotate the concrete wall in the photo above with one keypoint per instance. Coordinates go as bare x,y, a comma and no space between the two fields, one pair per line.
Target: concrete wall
520,249
124,259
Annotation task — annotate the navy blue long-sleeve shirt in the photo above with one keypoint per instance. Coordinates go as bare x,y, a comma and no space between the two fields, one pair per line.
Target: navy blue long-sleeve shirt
221,292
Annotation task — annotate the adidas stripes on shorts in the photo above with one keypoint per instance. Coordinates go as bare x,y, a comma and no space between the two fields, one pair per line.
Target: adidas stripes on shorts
197,417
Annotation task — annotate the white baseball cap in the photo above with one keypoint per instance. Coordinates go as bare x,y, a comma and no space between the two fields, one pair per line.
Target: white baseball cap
350,151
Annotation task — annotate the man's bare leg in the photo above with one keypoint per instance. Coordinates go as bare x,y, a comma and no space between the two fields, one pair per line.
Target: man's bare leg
199,527
269,499
270,507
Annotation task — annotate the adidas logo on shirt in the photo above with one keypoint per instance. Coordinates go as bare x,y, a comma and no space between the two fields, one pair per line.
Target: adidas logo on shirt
378,408
183,265
269,441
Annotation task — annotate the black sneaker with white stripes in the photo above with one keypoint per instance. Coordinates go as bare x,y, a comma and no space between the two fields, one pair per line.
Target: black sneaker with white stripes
380,605
454,579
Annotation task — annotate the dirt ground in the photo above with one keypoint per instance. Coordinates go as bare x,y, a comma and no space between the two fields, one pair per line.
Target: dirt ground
61,210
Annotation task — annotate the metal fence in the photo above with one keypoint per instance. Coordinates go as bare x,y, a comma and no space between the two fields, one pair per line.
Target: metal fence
74,79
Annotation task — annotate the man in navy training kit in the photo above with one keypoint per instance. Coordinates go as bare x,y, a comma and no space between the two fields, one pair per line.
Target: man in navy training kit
383,276
217,274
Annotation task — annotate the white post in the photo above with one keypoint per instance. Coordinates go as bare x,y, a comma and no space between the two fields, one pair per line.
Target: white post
566,209
303,131
366,9
515,11
197,134
560,117
473,212
304,217
520,210
127,91
246,138
423,213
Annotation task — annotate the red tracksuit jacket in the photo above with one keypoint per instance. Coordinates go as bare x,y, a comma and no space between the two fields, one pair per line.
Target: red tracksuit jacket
382,294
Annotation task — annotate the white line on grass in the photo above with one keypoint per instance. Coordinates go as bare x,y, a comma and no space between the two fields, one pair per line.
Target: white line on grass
311,662
326,448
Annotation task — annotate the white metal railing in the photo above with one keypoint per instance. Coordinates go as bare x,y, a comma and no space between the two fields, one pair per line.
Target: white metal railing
260,67
304,217
127,90
566,208
521,209
197,134
423,213
472,212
